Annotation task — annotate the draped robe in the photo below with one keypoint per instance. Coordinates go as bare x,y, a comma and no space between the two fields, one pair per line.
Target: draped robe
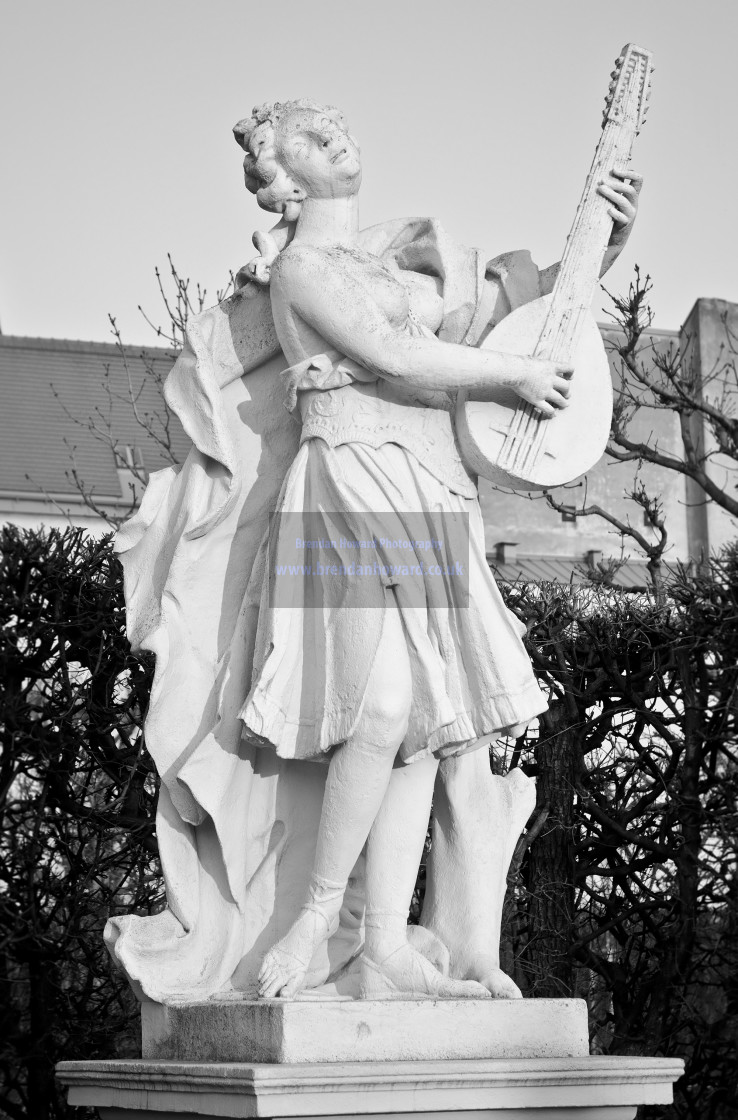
237,825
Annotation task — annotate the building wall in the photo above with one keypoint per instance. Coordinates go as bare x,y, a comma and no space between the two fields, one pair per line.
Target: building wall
51,516
49,386
68,424
710,339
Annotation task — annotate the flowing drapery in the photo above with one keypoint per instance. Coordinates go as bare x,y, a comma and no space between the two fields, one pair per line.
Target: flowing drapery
236,825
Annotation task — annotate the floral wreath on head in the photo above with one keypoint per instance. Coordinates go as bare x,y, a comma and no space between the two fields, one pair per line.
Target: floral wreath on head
265,177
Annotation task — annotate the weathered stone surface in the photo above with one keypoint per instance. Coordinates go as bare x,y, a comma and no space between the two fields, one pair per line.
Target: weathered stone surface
280,875
599,1088
292,1031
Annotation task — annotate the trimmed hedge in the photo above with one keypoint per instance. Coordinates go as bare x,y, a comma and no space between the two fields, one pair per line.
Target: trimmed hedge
628,894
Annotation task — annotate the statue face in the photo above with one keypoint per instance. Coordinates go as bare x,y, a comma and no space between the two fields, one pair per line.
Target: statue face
317,153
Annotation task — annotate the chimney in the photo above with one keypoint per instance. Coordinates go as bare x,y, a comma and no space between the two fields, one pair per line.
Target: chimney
506,552
594,557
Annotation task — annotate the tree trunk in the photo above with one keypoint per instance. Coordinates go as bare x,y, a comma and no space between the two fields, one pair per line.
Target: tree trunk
551,859
39,1063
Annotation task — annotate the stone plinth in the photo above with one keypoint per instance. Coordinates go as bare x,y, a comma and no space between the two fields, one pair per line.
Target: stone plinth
294,1031
436,1059
580,1088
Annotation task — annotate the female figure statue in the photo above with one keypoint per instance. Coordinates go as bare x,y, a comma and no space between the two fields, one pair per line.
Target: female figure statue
377,435
282,873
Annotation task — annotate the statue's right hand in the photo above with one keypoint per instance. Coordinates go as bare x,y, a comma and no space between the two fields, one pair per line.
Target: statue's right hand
544,384
259,269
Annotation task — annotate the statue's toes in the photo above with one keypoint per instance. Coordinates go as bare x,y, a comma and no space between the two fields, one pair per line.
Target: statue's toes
281,974
269,968
291,987
500,985
272,987
463,989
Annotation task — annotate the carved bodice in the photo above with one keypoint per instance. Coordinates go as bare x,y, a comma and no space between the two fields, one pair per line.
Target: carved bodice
341,402
376,413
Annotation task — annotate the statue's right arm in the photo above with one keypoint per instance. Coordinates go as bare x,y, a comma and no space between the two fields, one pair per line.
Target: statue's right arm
343,313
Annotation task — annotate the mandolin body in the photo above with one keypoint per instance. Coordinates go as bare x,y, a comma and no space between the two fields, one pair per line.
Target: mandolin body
573,440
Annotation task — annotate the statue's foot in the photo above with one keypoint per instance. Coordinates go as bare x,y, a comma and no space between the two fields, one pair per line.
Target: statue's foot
406,974
430,947
285,966
499,984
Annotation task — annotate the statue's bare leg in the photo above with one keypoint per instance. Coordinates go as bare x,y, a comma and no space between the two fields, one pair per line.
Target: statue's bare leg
358,775
391,968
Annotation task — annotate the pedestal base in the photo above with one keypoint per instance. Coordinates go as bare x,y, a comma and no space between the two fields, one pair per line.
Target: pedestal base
580,1088
440,1059
364,1030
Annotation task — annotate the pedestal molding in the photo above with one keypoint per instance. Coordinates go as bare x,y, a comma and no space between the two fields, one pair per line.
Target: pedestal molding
232,1089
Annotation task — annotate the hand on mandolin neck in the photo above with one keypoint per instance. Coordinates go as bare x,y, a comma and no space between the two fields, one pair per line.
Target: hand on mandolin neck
621,189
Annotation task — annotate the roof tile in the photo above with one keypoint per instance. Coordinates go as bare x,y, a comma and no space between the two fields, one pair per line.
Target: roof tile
55,391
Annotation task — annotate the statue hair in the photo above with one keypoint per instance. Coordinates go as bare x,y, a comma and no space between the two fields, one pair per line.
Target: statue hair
264,175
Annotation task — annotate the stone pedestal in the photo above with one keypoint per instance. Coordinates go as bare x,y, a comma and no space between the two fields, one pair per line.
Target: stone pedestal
502,1089
291,1032
506,1060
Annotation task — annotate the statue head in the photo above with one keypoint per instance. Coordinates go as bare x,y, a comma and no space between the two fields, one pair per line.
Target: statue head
297,150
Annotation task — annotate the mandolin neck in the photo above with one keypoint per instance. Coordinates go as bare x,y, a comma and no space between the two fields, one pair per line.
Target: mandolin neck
581,263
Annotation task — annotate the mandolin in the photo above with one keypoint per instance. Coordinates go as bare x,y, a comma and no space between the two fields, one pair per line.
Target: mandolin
508,440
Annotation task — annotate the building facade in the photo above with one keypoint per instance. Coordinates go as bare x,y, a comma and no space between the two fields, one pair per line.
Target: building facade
83,424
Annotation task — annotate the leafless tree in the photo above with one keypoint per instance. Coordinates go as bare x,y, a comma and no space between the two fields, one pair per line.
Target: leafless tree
655,379
144,374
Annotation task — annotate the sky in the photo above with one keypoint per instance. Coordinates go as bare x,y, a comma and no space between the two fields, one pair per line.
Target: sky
117,146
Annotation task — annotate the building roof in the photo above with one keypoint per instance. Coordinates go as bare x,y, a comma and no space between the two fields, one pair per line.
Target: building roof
632,576
54,391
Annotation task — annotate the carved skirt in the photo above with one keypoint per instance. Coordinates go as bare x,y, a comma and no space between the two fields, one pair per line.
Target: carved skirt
361,530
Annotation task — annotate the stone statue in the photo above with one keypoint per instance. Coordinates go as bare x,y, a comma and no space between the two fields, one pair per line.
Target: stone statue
302,727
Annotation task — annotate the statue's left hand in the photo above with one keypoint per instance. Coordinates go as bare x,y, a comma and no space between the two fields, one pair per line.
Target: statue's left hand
621,188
